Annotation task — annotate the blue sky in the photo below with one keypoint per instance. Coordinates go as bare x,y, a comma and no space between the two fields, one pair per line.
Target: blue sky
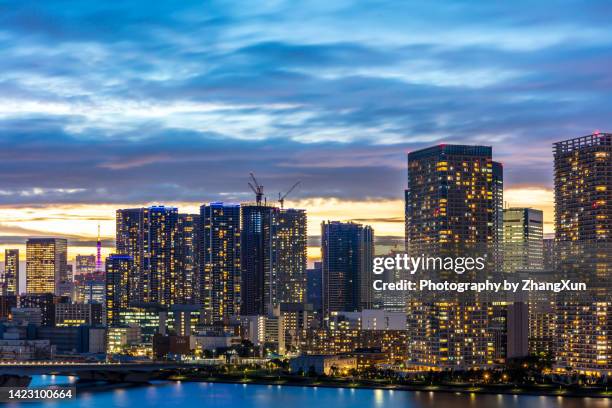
132,102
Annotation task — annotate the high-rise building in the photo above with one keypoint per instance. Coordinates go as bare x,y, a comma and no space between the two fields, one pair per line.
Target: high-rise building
220,285
149,236
273,257
10,283
583,244
162,277
187,258
258,290
289,259
85,264
582,189
523,239
45,264
498,214
118,270
90,288
450,206
453,209
347,250
132,239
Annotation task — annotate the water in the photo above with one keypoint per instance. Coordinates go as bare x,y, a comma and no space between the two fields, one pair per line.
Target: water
184,394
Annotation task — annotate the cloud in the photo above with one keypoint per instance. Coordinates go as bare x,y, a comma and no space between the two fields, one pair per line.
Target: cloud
134,102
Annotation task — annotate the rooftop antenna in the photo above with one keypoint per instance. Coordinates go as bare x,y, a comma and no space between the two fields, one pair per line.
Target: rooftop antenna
257,188
281,199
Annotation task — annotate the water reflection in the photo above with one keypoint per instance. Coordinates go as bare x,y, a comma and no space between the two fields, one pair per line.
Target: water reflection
186,394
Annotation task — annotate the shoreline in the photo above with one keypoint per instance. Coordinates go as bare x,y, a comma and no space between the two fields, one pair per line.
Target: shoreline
446,388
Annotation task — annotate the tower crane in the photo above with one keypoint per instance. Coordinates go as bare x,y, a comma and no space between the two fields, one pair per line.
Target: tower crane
281,199
257,188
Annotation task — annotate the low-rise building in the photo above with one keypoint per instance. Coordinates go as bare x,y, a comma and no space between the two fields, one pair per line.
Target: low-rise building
121,338
323,364
26,350
77,314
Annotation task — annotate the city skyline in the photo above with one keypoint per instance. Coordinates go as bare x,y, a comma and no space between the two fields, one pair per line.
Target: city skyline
389,219
120,114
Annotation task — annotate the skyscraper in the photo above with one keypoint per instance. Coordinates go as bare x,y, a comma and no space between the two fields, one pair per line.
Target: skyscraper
132,239
583,200
149,236
118,270
10,285
347,251
450,206
220,284
162,278
289,255
498,214
523,240
258,290
273,257
453,205
583,244
45,264
187,258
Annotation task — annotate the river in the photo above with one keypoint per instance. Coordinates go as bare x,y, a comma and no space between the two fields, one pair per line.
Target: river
193,394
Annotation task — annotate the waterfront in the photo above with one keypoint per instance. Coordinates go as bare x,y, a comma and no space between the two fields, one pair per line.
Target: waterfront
191,394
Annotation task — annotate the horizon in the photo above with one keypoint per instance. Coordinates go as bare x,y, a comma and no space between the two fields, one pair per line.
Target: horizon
392,224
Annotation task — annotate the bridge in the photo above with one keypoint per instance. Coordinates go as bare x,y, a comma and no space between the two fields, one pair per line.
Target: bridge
20,373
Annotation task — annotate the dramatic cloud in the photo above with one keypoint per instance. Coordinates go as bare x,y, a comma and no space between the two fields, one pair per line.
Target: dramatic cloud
165,102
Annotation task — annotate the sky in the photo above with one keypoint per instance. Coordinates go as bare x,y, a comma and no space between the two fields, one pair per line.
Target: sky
105,105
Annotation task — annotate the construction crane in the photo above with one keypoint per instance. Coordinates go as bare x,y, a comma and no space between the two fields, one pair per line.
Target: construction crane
281,199
257,188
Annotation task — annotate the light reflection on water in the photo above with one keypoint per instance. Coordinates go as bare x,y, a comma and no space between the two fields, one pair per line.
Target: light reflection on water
186,394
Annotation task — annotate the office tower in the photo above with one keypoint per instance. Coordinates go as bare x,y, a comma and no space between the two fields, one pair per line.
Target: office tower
220,284
10,284
149,236
187,258
498,214
453,204
289,257
347,251
45,264
150,318
118,270
523,240
314,286
85,264
90,288
258,290
583,240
